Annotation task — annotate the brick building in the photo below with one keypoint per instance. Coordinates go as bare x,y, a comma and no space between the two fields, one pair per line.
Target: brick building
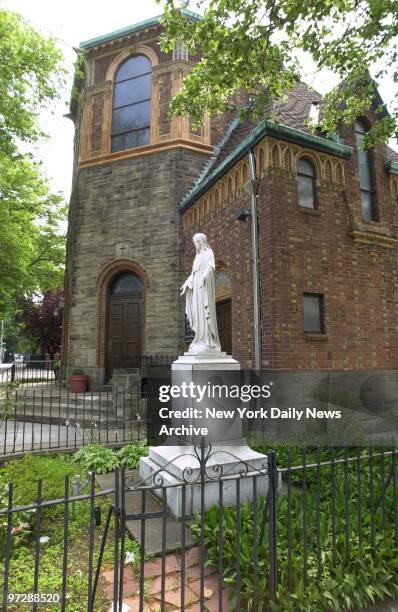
144,183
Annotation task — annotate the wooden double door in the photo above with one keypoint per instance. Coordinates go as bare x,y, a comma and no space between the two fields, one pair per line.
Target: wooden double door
125,321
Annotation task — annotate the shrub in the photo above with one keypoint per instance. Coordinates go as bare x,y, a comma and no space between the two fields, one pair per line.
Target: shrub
96,458
367,574
129,456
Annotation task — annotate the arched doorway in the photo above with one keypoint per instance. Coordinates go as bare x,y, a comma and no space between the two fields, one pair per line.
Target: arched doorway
124,333
224,310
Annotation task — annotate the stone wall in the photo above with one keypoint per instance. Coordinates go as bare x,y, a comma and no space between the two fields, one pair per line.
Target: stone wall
125,214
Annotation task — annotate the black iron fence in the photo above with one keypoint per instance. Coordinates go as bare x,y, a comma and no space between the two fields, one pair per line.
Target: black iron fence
30,373
144,361
302,525
53,418
33,372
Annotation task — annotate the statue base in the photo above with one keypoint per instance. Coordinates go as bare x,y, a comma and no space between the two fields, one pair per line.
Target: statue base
174,467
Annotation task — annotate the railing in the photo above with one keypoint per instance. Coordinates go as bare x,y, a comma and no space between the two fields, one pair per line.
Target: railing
29,373
53,418
39,372
304,523
144,361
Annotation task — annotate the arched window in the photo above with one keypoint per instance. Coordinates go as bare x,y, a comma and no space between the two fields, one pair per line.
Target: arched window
131,113
126,283
365,174
306,183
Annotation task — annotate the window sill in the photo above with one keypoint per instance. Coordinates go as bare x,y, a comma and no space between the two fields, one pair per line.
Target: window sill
314,212
315,337
372,232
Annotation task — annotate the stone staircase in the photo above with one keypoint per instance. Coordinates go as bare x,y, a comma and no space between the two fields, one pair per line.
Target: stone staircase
58,406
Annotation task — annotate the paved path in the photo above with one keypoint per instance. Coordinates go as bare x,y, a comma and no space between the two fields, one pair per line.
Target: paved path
153,526
173,586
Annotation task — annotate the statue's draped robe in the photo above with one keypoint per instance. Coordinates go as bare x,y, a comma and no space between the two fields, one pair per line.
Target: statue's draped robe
201,301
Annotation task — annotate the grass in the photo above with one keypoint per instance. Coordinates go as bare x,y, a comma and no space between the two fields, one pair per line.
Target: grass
53,470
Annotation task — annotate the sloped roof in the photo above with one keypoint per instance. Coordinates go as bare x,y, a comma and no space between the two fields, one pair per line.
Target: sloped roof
292,112
135,27
285,118
391,155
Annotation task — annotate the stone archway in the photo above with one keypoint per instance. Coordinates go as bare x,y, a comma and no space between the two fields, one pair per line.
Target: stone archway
127,307
124,322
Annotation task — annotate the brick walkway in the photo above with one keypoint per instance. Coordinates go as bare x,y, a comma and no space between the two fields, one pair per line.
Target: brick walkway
172,598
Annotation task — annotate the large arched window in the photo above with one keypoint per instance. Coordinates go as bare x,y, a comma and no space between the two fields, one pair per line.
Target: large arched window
306,183
131,113
365,174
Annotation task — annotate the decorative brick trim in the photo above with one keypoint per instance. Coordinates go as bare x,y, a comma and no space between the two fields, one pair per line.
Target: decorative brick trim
313,212
271,155
315,337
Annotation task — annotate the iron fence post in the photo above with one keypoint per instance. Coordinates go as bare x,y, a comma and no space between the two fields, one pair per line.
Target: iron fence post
272,532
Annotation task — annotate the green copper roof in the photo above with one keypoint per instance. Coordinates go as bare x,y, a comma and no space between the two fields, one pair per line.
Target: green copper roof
391,167
92,42
265,128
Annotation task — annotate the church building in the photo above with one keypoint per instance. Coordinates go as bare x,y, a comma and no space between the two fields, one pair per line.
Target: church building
144,183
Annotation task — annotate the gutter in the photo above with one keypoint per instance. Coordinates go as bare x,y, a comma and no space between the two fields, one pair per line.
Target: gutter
252,187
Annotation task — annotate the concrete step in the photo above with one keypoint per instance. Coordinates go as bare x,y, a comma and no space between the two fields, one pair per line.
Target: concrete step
81,420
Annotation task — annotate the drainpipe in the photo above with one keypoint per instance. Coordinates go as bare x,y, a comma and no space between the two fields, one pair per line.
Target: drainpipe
252,187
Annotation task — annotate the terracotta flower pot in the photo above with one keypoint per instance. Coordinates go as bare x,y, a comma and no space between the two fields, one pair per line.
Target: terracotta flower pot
78,383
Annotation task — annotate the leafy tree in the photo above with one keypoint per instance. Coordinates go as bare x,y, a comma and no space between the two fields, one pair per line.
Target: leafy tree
29,79
253,45
31,245
41,322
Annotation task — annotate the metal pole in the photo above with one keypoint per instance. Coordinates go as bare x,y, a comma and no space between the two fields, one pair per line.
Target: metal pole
256,278
1,340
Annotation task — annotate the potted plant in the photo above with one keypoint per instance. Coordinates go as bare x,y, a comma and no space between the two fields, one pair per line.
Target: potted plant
78,381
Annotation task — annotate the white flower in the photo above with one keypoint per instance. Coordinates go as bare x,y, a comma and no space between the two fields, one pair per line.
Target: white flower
130,558
44,539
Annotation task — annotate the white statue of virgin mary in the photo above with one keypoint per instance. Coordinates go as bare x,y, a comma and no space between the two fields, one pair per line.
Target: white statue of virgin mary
201,299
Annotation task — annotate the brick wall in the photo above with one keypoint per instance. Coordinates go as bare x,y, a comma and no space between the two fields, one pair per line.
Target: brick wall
305,252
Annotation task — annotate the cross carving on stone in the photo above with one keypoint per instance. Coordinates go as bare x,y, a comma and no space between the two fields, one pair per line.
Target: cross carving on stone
122,249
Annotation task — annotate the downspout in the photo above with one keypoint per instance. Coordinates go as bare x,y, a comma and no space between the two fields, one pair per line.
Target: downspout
252,187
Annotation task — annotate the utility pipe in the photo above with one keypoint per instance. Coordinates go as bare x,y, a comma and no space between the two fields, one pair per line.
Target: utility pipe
253,189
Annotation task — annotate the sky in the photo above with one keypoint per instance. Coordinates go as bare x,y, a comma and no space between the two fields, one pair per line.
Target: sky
73,21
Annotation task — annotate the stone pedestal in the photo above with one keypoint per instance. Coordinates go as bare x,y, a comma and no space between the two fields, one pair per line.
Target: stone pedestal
227,454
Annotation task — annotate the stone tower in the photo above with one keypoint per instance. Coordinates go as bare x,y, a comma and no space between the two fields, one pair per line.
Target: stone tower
132,165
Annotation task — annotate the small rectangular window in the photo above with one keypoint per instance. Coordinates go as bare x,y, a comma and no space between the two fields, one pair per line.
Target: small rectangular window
313,313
